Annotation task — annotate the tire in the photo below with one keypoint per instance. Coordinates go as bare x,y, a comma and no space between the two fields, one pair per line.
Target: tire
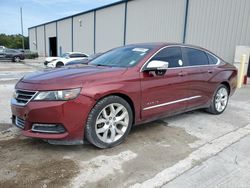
111,129
220,100
59,64
16,59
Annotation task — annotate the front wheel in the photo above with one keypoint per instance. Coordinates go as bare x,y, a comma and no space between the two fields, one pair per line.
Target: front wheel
59,64
220,100
109,122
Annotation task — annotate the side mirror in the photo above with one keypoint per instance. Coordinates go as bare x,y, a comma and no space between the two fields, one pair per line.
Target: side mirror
156,65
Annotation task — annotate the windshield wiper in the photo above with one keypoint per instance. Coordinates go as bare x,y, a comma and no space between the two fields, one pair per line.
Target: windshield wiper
101,65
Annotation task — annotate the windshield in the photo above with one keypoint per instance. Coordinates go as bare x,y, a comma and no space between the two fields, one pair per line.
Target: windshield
121,57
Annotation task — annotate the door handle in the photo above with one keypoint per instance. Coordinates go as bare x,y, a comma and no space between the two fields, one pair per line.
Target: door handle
210,71
182,73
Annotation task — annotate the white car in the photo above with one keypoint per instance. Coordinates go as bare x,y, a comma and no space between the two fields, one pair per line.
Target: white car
64,59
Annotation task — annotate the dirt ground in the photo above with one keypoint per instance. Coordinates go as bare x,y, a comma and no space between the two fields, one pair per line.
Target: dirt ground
149,149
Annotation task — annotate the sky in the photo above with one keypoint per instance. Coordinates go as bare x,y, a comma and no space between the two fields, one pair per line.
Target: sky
40,11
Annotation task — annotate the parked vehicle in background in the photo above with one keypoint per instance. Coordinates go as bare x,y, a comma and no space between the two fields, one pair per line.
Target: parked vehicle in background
2,48
50,59
11,54
30,54
64,59
125,86
83,61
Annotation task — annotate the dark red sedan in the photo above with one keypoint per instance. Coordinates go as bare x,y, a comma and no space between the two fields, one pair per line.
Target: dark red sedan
125,86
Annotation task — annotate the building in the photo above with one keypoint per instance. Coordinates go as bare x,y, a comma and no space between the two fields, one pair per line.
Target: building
218,25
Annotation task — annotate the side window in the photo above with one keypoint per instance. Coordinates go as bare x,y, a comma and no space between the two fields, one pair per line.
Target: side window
77,55
172,55
195,57
72,55
82,55
212,59
13,51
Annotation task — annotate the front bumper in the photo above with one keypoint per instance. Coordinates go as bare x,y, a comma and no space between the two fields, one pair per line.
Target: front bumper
71,115
50,64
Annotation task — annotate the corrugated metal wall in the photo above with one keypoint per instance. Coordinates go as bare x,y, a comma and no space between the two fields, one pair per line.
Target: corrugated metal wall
41,40
109,27
219,25
155,20
64,36
50,32
32,39
83,33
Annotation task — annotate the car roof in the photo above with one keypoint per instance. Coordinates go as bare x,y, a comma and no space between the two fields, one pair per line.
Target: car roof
162,44
75,53
165,44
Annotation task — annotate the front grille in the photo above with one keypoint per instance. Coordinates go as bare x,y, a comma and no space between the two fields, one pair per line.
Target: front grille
23,97
19,122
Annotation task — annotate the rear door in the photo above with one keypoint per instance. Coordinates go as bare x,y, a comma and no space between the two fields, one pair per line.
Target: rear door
198,74
164,94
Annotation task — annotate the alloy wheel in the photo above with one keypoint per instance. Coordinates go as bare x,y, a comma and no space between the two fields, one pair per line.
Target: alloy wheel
112,123
221,99
17,59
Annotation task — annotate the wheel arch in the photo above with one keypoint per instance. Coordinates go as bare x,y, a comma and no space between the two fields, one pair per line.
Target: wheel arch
126,98
225,83
59,63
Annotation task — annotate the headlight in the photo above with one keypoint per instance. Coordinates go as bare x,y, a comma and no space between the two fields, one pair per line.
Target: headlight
61,95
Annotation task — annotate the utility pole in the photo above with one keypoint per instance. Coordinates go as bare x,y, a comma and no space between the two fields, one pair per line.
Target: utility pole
21,12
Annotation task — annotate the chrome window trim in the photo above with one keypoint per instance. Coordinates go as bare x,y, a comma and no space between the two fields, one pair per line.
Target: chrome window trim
43,131
172,102
14,101
33,129
182,46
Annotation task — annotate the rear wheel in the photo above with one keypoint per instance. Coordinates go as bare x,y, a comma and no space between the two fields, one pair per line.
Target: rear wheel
59,64
220,100
109,122
17,59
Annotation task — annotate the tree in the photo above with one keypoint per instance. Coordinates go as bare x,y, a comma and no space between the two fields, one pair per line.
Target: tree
13,41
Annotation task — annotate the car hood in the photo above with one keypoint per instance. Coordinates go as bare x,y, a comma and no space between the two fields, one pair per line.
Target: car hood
71,74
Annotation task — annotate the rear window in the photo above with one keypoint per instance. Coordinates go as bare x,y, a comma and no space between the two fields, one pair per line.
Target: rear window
212,59
195,57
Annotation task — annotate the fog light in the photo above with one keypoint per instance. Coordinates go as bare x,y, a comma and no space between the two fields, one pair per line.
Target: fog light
48,128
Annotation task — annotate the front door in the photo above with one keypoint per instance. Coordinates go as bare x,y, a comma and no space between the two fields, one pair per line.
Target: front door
164,94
